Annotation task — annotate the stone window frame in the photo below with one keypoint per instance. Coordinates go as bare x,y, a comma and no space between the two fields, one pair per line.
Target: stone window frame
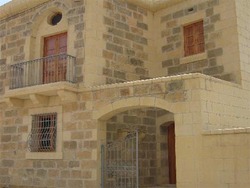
187,20
47,155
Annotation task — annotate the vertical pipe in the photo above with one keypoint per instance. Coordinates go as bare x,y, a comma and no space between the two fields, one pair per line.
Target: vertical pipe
132,162
102,166
137,157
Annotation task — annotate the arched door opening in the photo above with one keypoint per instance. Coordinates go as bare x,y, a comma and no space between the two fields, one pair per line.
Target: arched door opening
155,143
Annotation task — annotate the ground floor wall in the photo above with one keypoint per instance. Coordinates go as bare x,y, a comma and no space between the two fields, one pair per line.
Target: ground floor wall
211,151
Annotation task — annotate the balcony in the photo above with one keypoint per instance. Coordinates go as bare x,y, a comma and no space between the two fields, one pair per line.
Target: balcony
51,69
39,79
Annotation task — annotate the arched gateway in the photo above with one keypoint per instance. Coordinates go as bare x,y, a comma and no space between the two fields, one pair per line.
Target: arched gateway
137,140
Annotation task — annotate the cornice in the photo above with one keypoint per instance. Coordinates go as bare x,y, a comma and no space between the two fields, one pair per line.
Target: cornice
17,6
154,5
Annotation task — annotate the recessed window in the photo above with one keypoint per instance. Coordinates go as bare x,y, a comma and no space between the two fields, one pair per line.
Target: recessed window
194,38
42,137
55,19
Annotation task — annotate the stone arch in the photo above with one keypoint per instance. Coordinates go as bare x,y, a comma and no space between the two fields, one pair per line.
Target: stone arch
116,120
41,28
46,9
113,108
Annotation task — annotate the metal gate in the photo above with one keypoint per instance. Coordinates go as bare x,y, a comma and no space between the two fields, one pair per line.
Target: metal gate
120,167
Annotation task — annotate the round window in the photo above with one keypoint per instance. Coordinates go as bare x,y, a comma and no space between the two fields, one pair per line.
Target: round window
55,19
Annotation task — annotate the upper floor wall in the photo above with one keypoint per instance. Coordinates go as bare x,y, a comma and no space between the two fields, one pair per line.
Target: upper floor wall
135,41
117,41
218,39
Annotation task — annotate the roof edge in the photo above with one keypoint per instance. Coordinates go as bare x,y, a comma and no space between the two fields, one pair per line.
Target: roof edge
16,6
154,5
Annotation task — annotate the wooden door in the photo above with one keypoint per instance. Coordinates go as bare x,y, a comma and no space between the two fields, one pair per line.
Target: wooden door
55,66
171,154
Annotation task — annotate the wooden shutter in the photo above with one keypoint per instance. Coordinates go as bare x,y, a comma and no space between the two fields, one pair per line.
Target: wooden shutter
194,39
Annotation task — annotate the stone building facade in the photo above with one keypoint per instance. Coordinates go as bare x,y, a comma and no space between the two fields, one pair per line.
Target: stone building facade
76,75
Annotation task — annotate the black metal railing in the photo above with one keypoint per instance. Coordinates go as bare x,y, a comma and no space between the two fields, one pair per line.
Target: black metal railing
56,68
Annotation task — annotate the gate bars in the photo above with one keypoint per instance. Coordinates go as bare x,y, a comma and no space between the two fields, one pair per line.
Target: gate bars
119,163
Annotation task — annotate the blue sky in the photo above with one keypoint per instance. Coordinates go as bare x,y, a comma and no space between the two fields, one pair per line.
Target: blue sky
3,2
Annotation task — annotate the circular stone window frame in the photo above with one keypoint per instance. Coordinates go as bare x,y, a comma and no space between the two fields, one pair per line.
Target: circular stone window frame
54,16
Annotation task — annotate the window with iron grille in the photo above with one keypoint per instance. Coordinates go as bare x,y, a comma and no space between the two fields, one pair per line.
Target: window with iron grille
42,137
194,38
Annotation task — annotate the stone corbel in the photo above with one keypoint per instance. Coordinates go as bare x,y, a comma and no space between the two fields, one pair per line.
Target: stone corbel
13,102
39,99
67,96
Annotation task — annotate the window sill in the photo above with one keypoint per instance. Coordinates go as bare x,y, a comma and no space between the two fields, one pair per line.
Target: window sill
192,58
44,155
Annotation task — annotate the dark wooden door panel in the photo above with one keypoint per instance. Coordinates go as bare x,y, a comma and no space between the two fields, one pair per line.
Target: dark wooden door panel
171,154
55,68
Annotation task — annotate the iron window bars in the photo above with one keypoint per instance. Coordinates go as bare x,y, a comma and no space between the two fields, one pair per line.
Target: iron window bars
42,137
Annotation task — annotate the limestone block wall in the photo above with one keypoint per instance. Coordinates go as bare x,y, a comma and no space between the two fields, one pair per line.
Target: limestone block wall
225,106
221,56
243,23
21,35
199,141
77,168
126,36
225,160
79,165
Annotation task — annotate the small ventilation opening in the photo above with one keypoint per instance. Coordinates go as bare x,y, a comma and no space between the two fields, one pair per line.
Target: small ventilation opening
191,9
55,19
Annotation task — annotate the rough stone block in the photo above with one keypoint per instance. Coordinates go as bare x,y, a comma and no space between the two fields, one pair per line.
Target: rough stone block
8,130
136,62
209,12
215,18
117,32
142,25
176,30
131,6
41,173
209,28
114,48
214,70
175,85
70,145
7,163
178,14
177,69
215,52
121,25
166,18
167,48
149,121
74,164
132,119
